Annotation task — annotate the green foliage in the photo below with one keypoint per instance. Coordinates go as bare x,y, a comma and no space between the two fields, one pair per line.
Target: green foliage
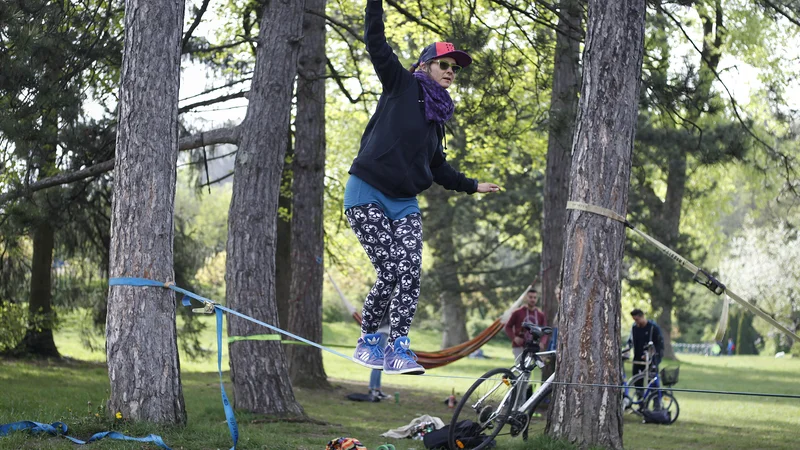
13,324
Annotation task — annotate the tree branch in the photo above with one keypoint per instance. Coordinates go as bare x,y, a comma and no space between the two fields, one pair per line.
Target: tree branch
197,19
780,11
62,178
190,51
219,136
338,23
228,135
412,17
220,99
226,85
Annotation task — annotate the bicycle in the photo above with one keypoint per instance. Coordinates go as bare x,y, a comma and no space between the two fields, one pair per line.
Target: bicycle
499,396
650,396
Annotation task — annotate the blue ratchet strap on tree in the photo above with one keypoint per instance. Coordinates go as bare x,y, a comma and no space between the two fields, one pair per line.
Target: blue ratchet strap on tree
210,308
699,275
229,416
60,429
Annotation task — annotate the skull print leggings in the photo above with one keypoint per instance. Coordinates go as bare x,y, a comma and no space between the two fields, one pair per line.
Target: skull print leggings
395,249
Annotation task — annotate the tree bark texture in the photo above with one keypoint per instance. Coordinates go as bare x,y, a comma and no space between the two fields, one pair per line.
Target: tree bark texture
308,247
439,229
258,368
141,341
589,316
563,109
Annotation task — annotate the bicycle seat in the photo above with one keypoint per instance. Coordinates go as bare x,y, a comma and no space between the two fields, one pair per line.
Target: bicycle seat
536,330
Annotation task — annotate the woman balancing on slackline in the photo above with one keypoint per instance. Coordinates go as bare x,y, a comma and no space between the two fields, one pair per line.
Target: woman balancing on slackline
401,155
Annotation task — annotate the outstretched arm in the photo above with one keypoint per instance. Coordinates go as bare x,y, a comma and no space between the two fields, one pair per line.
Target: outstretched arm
391,73
449,178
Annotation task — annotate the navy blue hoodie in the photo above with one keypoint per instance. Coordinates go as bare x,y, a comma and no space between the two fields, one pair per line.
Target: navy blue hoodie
401,152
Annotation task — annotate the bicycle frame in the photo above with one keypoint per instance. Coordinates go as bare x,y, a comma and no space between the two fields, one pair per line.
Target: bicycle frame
521,385
647,384
526,373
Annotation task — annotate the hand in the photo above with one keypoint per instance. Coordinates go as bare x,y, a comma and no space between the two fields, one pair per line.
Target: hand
519,341
488,187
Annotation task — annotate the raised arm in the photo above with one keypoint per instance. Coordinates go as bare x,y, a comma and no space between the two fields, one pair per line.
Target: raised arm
387,66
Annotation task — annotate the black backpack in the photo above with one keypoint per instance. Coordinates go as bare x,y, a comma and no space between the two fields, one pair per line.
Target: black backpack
467,432
659,416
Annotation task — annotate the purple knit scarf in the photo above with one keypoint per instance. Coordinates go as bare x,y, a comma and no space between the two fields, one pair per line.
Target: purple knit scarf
439,106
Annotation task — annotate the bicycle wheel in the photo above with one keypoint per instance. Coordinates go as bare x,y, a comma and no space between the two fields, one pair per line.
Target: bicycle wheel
487,403
635,393
667,402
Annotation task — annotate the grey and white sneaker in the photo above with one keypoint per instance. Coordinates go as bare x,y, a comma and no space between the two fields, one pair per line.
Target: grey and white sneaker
400,359
369,352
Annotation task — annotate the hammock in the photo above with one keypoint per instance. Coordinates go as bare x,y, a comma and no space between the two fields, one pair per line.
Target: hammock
439,358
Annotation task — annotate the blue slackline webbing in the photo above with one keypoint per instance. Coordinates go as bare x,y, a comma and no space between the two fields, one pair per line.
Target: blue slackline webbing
60,429
229,415
233,427
132,281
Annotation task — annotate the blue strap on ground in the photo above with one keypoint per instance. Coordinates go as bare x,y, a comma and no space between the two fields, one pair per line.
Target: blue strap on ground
232,426
60,429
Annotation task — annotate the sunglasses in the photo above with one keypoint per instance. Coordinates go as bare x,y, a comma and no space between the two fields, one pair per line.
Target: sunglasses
444,65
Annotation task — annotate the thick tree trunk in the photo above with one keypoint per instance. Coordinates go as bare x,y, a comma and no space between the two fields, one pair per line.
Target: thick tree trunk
439,230
305,309
258,368
563,109
38,338
141,344
589,316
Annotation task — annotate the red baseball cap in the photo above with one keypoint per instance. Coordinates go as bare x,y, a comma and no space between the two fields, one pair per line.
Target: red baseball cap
443,49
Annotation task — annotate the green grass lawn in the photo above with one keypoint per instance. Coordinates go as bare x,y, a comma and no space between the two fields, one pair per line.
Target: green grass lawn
74,392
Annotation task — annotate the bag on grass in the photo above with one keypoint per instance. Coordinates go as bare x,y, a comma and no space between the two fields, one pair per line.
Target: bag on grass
467,433
659,416
345,443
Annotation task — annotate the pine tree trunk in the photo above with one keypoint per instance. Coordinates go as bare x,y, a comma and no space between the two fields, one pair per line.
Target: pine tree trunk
589,316
563,109
305,309
258,368
141,342
38,338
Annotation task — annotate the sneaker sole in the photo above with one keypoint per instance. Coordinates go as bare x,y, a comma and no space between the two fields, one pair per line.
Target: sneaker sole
368,366
409,371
